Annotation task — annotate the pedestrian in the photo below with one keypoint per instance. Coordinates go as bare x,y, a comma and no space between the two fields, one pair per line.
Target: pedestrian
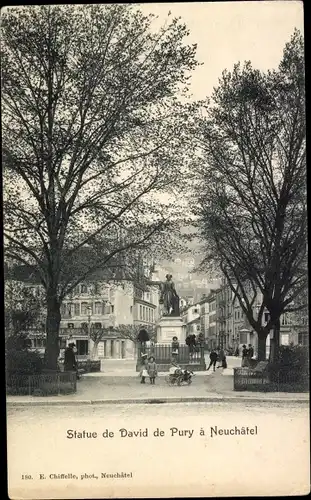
152,369
244,356
250,353
191,343
221,357
224,362
175,348
144,369
70,363
213,359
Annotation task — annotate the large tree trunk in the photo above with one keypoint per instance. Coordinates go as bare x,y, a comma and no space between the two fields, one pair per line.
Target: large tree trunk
275,342
262,340
52,330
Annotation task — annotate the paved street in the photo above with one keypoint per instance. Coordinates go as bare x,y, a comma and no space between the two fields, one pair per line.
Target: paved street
119,381
211,464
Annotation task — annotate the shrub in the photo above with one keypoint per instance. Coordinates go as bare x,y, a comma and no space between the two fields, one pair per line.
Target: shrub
23,362
292,364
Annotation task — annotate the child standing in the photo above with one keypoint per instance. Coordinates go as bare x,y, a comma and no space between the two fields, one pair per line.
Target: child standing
144,368
175,348
152,369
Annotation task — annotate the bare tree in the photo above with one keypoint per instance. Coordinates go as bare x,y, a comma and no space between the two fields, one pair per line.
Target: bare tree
131,331
93,139
252,190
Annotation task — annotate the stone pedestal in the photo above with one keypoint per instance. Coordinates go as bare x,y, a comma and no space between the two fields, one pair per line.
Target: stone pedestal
169,327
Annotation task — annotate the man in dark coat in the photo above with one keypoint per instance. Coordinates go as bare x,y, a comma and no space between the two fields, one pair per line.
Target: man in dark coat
213,359
244,356
250,353
70,364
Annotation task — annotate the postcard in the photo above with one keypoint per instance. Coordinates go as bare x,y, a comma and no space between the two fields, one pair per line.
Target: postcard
155,250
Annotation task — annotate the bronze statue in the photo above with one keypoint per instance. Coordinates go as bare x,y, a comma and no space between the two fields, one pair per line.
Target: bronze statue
169,297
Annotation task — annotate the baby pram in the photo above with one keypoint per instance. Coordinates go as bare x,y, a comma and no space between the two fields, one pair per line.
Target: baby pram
179,377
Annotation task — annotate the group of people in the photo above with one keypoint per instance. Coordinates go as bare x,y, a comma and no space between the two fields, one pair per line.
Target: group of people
217,355
148,369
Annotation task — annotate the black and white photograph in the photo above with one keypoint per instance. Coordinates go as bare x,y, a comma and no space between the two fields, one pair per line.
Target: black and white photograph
155,250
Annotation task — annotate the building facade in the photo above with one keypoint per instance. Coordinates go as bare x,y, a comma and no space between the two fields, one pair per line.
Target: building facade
96,308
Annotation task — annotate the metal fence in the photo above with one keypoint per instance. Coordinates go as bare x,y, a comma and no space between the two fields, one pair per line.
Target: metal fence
247,379
163,353
43,384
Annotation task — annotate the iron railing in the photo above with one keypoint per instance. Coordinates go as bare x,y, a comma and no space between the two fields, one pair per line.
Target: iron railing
163,353
248,379
43,384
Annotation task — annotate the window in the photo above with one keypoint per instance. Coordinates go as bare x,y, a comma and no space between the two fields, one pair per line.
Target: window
97,325
285,339
98,308
303,338
285,320
82,347
266,317
77,309
112,309
70,325
38,343
84,309
243,338
83,289
131,309
140,312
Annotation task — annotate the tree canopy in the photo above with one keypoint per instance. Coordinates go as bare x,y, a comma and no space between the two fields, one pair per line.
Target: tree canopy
252,192
95,142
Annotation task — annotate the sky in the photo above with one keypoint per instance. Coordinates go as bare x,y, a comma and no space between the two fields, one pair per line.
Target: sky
228,32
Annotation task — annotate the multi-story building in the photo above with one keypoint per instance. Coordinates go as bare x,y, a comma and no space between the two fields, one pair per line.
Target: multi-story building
146,306
204,316
212,333
191,317
100,306
233,329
